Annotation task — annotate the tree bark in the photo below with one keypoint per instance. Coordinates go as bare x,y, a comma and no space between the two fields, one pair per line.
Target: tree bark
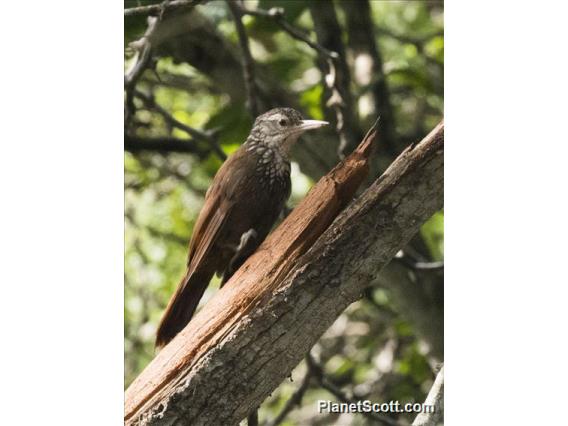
434,399
257,328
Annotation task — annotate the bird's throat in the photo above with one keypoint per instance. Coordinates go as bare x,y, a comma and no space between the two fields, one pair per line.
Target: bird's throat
272,163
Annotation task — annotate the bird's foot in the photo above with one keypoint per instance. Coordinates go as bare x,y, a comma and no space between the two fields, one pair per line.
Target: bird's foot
248,244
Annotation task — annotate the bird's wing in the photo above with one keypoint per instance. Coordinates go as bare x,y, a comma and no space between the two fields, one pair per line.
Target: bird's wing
205,236
219,203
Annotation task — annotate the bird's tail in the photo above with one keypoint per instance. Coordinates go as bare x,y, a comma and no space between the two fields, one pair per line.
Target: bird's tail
181,306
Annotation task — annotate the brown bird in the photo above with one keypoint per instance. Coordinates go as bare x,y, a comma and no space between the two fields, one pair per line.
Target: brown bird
246,197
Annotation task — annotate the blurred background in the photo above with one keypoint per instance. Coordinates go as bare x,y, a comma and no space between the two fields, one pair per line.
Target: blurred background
190,100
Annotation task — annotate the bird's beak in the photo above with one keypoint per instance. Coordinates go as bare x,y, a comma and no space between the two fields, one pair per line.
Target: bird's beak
311,124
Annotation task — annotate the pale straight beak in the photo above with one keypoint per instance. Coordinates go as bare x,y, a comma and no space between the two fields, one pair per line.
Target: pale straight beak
311,124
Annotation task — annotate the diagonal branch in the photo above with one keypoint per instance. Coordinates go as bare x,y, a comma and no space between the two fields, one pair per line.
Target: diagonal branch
142,61
276,14
197,134
434,399
258,327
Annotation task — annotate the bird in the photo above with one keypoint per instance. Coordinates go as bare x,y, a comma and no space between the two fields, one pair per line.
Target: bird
244,200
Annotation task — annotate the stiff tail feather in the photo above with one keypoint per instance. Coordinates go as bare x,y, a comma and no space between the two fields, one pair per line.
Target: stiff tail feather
181,306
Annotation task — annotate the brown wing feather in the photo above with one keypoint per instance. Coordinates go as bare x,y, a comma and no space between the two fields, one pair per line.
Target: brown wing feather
210,225
208,237
213,215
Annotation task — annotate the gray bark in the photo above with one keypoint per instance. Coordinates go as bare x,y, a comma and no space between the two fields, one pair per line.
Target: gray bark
434,399
253,358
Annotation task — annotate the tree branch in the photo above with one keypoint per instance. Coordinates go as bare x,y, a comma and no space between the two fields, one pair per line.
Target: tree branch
368,67
164,145
142,61
248,61
337,78
276,14
435,399
193,38
257,328
156,9
197,134
418,265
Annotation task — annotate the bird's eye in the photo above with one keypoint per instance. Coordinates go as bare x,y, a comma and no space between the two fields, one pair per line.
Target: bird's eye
283,122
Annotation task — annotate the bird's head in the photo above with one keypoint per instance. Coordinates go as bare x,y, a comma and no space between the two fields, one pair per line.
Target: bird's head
281,127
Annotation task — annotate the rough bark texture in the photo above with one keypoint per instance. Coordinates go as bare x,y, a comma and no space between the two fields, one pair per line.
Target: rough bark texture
255,330
274,258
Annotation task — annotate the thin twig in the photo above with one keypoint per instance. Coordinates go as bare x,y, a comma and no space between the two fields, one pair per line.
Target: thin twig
277,15
337,104
418,265
144,58
156,9
197,134
294,400
427,266
138,68
248,61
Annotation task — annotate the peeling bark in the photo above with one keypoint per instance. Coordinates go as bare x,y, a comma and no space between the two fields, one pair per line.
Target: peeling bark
257,328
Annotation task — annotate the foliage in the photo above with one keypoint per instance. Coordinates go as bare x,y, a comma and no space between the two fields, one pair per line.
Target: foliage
372,351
